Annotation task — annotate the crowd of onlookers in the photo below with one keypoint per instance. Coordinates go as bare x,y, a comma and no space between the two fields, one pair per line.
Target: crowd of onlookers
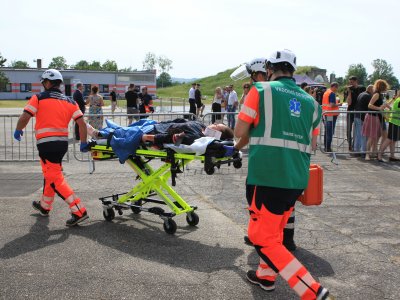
372,118
138,101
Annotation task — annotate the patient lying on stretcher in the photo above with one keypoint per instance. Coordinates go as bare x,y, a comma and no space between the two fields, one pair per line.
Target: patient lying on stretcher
179,131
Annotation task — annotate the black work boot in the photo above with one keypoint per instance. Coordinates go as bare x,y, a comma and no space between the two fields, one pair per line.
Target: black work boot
75,219
323,294
288,242
43,212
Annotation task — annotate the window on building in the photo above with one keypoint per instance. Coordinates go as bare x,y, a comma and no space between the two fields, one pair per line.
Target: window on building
5,87
25,87
103,88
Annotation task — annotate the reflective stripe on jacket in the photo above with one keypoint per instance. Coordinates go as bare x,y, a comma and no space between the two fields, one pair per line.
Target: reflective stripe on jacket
53,112
326,108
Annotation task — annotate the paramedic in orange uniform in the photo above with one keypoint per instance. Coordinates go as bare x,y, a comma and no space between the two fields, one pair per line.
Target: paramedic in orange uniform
278,120
53,112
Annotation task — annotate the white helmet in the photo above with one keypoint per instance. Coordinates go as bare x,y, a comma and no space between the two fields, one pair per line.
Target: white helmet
256,65
283,56
51,74
246,70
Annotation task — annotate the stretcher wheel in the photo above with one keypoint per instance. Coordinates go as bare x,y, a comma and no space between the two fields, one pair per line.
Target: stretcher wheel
192,219
237,164
210,171
109,214
170,226
136,210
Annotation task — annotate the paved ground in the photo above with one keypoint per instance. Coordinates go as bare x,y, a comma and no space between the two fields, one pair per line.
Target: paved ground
351,243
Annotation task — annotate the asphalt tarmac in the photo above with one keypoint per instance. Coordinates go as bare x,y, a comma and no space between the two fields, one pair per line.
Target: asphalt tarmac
351,243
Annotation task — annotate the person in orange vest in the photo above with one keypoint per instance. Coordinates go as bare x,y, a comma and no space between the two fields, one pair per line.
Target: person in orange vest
53,112
278,120
331,110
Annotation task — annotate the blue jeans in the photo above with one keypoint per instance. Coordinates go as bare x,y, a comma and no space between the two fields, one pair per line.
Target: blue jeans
330,123
360,141
231,117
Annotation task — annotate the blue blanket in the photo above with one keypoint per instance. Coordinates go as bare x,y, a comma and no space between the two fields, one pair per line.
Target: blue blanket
125,140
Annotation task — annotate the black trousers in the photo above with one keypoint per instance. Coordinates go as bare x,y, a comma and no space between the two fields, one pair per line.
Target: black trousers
350,122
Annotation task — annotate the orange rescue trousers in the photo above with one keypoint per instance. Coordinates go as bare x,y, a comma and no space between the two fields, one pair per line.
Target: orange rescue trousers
270,209
54,182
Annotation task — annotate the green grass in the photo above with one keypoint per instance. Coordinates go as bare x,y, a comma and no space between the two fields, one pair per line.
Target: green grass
12,103
208,85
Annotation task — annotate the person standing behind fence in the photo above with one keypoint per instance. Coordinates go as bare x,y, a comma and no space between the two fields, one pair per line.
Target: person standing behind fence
95,102
78,98
53,112
353,90
199,104
246,88
360,141
393,132
216,106
331,112
192,100
131,102
232,106
113,97
372,126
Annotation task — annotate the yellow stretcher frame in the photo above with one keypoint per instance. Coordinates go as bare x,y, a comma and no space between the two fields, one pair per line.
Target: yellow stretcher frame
155,182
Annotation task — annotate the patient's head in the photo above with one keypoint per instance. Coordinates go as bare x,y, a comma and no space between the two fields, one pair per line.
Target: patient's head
227,133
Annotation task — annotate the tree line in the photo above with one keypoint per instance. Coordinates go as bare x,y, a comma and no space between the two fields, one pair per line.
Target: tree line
381,69
150,62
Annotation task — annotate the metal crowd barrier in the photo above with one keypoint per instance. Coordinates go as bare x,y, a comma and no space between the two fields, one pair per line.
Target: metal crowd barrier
346,139
12,150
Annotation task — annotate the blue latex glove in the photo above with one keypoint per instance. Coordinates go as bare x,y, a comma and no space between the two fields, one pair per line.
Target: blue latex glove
229,150
18,134
84,147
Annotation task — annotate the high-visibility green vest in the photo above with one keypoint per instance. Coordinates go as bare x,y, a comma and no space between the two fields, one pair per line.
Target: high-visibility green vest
280,145
395,115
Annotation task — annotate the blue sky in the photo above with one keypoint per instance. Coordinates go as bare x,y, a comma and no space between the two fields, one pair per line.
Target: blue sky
203,37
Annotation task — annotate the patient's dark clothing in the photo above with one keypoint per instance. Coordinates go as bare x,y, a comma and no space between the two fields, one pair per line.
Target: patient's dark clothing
165,130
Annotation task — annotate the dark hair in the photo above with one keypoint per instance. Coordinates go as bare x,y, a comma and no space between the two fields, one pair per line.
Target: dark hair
284,67
334,84
353,78
79,85
95,89
226,133
303,85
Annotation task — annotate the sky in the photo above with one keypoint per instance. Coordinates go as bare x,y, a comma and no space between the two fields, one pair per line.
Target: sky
203,37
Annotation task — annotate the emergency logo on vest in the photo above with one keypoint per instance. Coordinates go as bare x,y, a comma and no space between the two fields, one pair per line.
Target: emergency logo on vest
295,107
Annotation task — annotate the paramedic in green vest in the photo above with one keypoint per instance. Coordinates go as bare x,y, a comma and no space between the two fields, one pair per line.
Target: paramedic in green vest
256,70
279,121
393,132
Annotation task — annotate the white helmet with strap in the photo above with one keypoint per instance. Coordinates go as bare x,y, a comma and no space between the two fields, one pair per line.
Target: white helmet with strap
51,74
248,69
282,57
256,65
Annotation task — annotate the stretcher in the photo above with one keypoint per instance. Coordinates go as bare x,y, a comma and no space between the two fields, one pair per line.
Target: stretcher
155,181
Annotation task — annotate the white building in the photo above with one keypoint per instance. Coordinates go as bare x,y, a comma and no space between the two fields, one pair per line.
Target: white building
23,83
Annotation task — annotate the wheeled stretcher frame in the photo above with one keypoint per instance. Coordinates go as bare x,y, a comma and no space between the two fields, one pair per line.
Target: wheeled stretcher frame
155,182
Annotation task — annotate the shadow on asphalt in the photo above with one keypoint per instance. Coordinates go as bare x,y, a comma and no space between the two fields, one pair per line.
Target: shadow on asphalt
317,266
150,243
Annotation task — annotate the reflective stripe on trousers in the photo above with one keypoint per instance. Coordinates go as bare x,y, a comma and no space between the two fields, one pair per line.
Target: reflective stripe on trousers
54,182
266,233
